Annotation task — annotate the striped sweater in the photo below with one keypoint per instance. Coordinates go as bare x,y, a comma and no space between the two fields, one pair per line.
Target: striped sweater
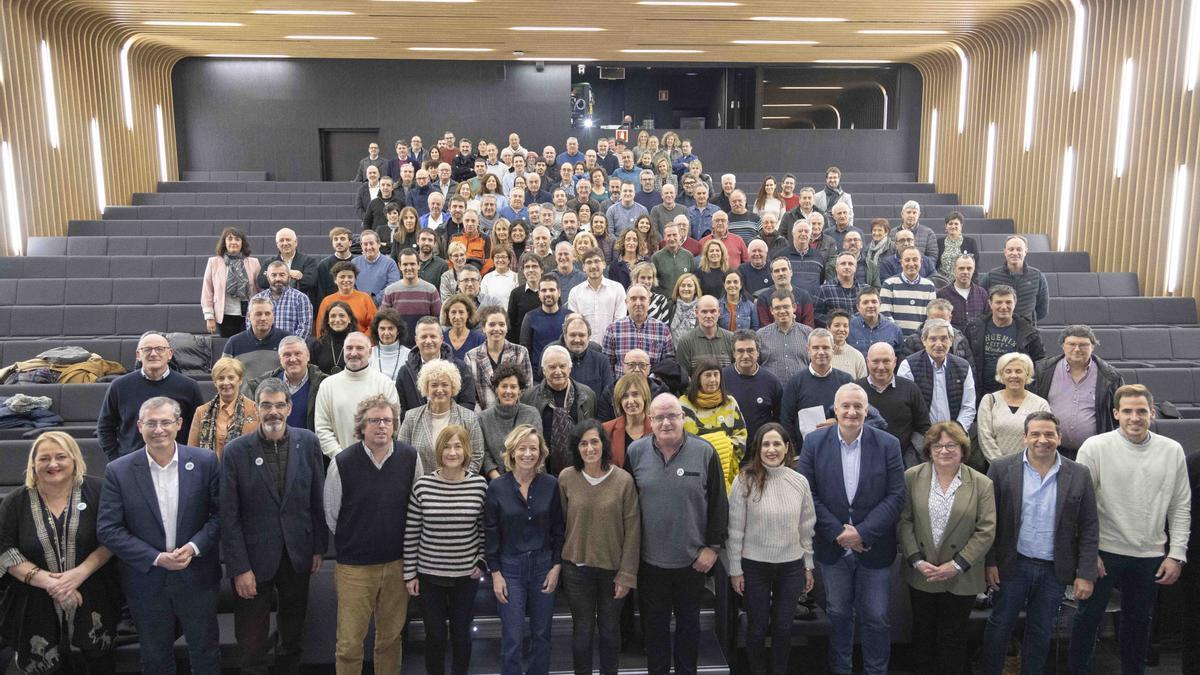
444,535
906,302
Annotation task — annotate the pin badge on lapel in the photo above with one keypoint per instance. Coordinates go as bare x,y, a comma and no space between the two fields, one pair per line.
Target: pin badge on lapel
81,506
679,472
258,461
189,466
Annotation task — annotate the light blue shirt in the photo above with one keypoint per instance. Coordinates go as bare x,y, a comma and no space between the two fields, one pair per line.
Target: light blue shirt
1038,510
851,464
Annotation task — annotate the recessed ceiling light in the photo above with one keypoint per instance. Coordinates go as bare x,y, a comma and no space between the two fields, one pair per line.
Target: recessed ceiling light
559,29
787,105
777,117
209,24
444,2
687,3
450,49
813,88
800,19
570,59
247,56
304,12
691,73
329,37
903,31
775,42
662,51
852,61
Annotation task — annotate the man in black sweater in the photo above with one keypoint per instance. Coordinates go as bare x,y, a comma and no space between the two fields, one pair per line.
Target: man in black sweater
116,425
898,400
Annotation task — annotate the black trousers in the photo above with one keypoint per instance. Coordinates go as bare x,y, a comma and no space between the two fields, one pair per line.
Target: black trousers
589,593
663,593
939,631
252,620
231,324
1191,616
442,601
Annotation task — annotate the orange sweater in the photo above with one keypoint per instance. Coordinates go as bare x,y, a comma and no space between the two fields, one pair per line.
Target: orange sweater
479,251
360,303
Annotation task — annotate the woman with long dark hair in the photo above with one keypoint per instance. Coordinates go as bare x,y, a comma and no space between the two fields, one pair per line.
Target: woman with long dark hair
338,323
771,523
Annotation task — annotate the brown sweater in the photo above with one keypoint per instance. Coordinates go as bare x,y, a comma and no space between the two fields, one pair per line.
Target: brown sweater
603,523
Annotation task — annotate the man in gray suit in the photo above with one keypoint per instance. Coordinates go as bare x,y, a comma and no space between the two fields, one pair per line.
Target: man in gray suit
1047,536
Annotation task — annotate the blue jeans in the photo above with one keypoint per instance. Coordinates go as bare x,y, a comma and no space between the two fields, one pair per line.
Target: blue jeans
524,575
772,591
1138,592
852,592
1035,589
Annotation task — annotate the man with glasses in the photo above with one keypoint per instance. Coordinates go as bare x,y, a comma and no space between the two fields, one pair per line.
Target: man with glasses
635,361
679,474
637,330
945,380
757,390
340,394
158,516
1079,387
366,509
272,546
116,425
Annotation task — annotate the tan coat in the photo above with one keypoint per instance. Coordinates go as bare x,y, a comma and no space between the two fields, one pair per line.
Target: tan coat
969,532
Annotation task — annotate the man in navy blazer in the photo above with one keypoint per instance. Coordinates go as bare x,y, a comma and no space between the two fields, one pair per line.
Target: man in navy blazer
273,531
857,481
158,515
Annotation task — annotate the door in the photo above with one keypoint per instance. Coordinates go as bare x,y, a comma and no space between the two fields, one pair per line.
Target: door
341,150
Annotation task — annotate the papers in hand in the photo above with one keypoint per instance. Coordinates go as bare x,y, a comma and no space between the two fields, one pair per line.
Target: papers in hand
808,419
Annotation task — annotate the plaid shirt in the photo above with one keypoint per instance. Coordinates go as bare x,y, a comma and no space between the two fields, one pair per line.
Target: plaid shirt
831,295
293,312
623,335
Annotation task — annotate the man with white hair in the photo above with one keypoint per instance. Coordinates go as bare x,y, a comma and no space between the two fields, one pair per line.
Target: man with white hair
945,380
923,237
570,154
302,268
755,273
561,403
418,195
340,394
672,260
646,195
444,183
843,222
728,185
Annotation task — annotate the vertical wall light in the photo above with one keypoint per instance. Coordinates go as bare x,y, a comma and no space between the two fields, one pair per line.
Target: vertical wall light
1191,70
162,143
12,215
1065,193
48,94
989,169
98,167
126,87
1030,100
1124,112
962,88
1080,29
933,132
1177,227
883,90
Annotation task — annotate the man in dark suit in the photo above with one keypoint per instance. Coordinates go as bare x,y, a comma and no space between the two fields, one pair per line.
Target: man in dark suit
273,529
1047,537
158,515
857,481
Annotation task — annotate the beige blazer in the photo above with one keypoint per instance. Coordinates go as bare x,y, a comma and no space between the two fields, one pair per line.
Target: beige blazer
969,532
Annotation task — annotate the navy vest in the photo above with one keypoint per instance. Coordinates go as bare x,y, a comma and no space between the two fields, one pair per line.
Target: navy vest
956,375
370,524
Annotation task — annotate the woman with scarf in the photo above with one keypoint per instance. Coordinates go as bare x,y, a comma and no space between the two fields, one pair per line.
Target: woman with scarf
686,295
229,414
878,249
229,284
712,414
327,351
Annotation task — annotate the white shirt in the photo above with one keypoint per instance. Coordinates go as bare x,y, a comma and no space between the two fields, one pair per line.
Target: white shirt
166,491
600,307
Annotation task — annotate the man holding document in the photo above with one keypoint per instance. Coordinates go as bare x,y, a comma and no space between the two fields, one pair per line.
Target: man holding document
809,394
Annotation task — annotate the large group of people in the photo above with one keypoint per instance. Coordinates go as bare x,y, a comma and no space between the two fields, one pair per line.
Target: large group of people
601,370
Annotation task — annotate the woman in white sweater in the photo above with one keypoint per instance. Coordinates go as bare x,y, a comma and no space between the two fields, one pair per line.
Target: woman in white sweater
1001,417
771,522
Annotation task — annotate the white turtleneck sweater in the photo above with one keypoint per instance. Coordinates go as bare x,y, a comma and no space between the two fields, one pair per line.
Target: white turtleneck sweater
338,398
388,359
774,526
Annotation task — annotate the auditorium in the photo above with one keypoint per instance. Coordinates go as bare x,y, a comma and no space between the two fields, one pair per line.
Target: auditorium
663,336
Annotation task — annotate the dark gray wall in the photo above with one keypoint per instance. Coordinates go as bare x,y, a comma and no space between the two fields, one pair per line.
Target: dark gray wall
265,115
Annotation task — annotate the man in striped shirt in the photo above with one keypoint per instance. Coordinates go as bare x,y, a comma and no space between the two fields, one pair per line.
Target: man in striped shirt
906,296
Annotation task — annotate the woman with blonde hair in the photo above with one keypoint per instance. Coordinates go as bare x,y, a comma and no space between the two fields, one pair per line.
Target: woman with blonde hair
62,599
686,296
1001,419
229,414
584,242
646,274
524,530
714,264
439,382
456,254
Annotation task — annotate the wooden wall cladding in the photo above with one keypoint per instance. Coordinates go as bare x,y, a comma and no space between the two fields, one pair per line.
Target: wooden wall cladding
56,185
1123,222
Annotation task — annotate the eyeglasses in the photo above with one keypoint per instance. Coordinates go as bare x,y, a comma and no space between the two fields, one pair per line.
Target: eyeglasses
153,350
267,407
380,421
944,447
157,424
637,366
673,417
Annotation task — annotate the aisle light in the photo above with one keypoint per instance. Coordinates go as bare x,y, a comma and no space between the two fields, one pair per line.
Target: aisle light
1030,100
1191,70
98,167
933,131
162,143
883,91
1124,113
1064,196
1077,43
989,169
48,94
962,87
126,87
11,213
1177,226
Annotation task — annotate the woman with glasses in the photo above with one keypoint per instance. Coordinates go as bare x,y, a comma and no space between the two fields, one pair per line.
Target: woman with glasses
946,528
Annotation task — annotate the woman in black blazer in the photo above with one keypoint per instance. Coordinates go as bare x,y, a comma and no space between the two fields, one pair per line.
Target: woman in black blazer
953,245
